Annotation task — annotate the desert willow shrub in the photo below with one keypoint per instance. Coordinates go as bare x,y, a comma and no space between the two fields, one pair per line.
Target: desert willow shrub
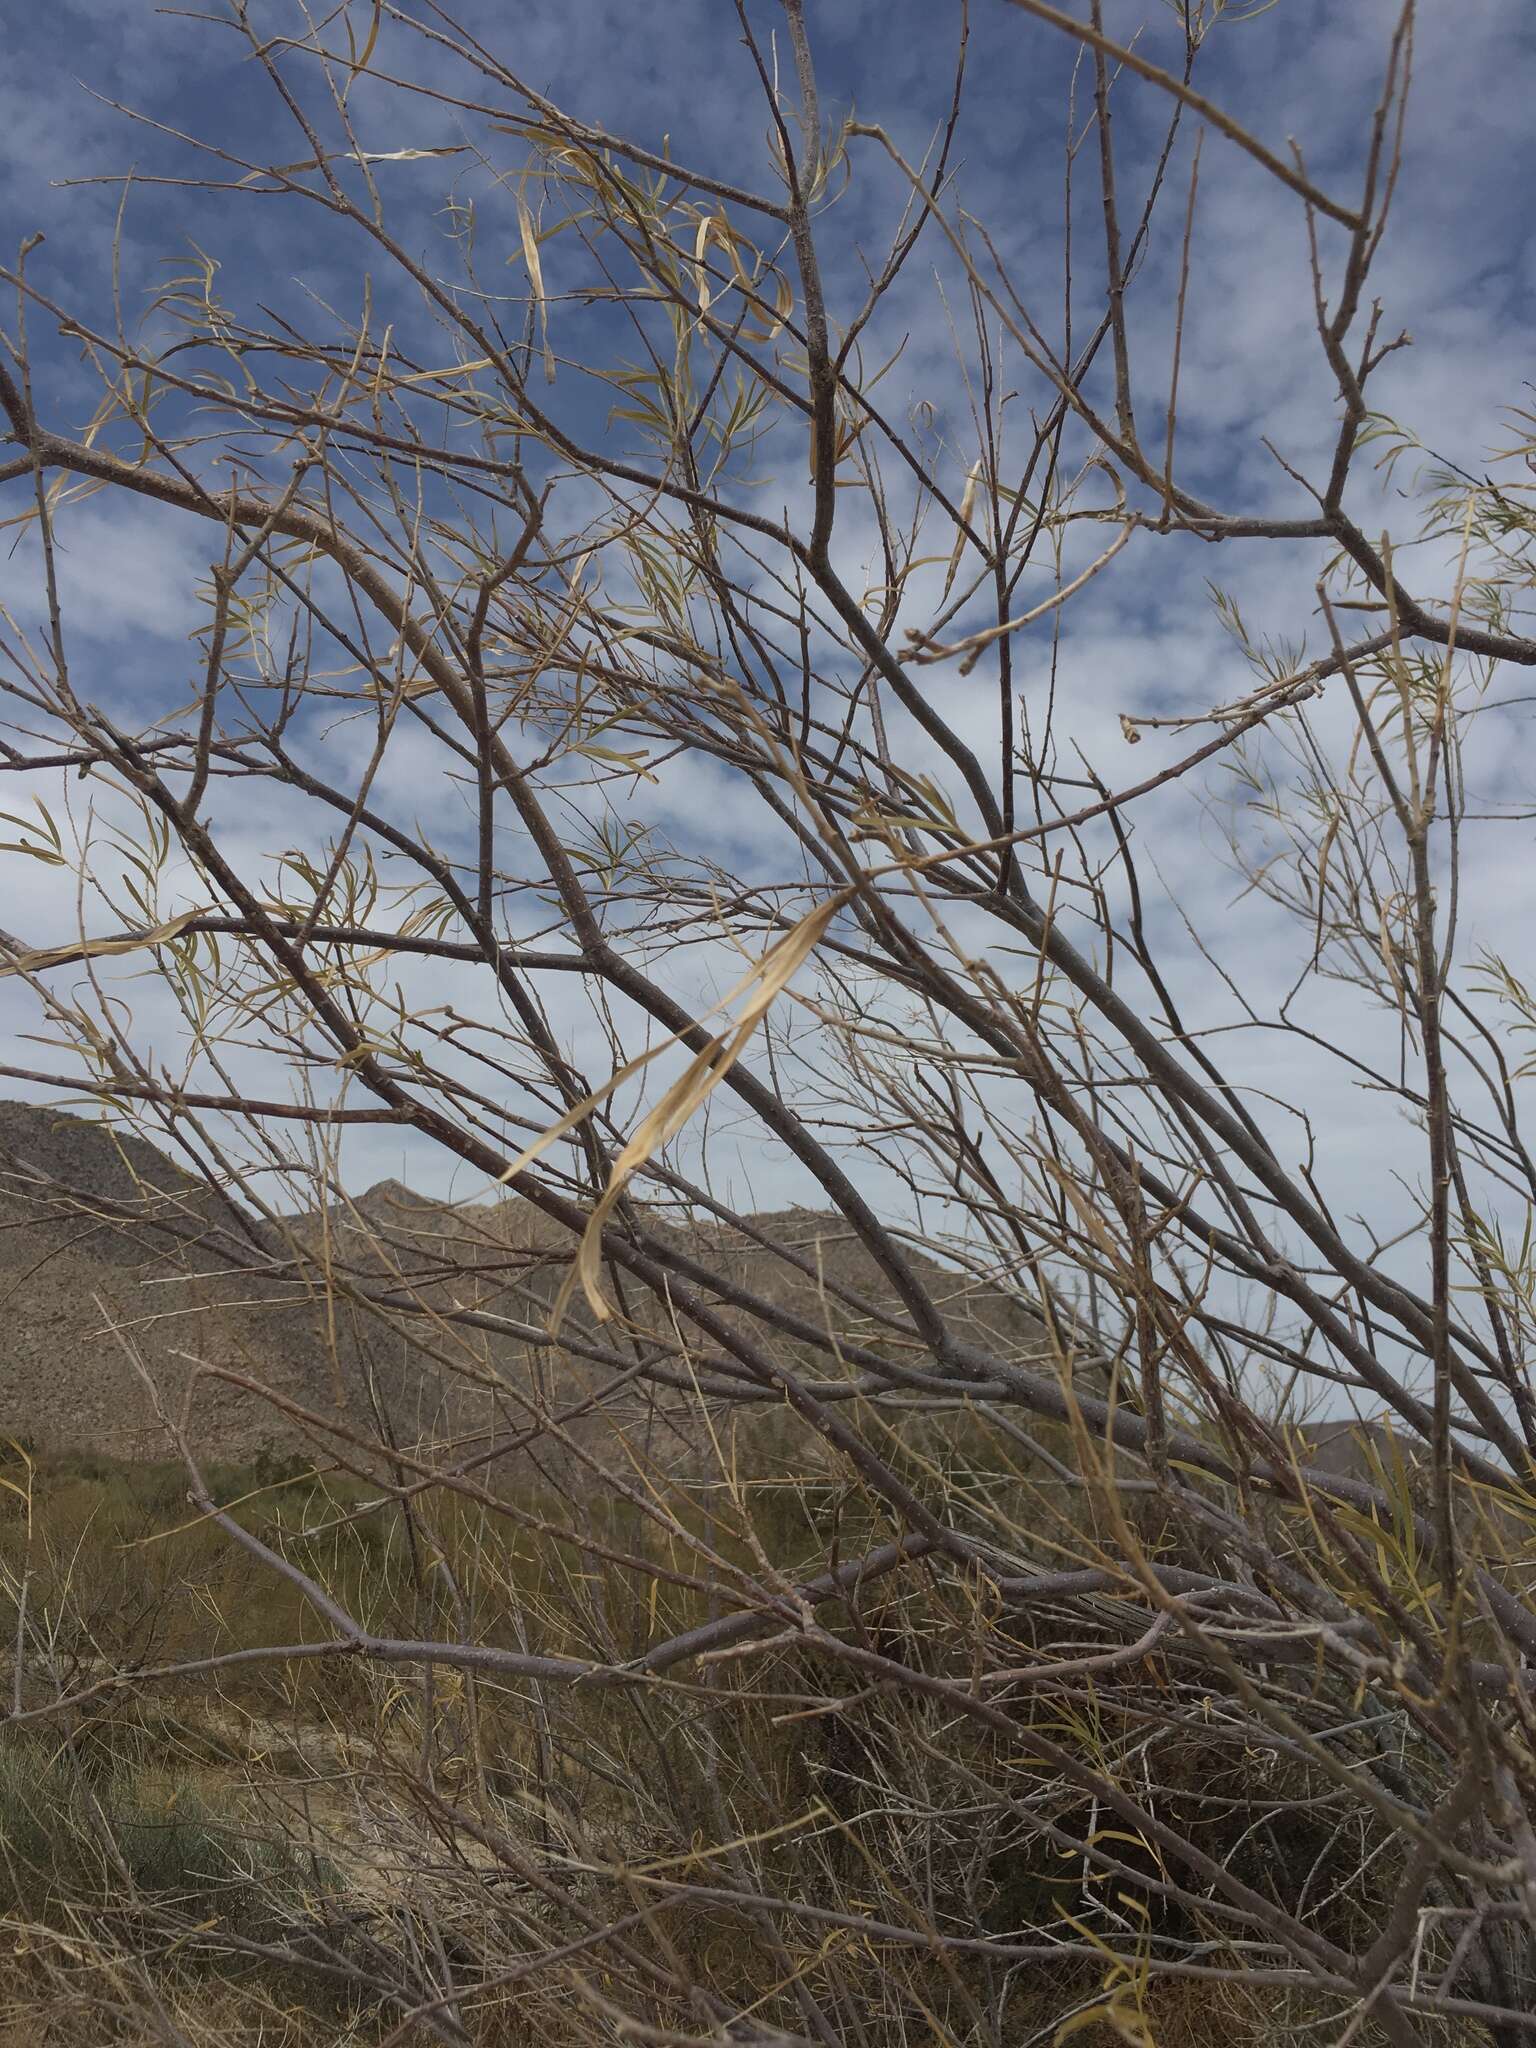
624,741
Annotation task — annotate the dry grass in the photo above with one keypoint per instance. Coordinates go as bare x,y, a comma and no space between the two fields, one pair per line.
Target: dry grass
153,1838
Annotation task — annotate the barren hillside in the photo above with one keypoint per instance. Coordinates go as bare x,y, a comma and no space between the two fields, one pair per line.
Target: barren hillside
431,1316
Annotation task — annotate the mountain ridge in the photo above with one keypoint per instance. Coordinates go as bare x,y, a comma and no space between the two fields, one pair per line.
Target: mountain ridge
117,1265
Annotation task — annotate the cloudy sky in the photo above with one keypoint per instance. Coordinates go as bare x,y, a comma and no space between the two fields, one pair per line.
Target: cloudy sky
1458,270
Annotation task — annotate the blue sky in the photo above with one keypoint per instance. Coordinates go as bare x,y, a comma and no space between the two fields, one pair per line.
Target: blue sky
1460,264
1458,270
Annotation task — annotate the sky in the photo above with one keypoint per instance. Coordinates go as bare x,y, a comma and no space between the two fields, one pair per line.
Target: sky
1458,271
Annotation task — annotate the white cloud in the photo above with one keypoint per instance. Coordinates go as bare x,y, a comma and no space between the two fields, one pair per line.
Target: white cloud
127,575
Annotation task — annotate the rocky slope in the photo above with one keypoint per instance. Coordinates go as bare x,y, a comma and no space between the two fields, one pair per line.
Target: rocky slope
392,1315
